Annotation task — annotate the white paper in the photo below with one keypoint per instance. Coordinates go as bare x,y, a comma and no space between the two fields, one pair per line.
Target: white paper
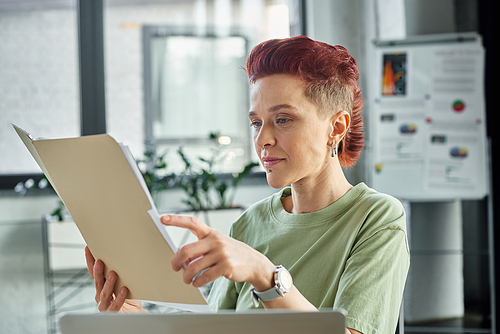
455,145
186,307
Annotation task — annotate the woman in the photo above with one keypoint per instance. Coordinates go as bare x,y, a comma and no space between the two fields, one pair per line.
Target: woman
344,246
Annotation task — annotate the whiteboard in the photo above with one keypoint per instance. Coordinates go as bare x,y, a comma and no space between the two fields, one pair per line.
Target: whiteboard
427,121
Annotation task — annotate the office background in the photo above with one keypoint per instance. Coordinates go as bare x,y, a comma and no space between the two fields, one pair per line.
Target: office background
40,90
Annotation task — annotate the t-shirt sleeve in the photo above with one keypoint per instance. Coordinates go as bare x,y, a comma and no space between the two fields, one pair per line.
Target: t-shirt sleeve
372,283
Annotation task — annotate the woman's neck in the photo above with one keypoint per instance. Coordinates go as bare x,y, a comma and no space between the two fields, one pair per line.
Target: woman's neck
310,195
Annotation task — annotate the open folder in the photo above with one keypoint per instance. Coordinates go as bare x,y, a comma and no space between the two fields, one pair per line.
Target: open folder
101,186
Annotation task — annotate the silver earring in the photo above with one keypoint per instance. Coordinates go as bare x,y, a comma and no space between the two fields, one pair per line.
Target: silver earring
334,150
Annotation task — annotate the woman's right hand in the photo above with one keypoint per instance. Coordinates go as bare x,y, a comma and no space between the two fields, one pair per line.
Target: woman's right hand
107,301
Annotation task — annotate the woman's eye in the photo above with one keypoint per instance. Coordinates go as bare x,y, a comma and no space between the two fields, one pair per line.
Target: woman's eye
255,124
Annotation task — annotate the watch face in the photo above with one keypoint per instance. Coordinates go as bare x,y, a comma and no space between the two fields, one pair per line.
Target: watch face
285,279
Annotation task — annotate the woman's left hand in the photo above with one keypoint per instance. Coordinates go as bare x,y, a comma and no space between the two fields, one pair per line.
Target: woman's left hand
220,255
106,300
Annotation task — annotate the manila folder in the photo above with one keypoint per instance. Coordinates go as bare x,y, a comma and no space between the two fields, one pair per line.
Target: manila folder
119,223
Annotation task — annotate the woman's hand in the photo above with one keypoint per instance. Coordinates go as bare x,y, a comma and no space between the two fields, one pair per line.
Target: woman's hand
224,256
220,255
104,296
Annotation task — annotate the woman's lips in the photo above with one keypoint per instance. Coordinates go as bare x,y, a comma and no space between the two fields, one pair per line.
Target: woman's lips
270,161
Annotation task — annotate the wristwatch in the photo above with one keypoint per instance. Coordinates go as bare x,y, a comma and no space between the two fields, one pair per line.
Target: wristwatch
283,283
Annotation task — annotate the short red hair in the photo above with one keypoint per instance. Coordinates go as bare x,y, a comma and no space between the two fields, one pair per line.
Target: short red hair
330,74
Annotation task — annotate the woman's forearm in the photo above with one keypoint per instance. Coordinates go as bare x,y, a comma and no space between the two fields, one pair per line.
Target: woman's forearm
294,300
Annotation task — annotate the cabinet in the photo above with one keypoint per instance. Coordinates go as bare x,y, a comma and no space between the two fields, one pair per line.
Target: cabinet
452,264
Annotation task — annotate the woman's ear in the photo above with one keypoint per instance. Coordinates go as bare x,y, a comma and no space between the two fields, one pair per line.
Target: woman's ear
340,125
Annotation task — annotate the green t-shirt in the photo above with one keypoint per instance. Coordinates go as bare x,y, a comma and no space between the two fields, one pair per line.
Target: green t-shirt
352,255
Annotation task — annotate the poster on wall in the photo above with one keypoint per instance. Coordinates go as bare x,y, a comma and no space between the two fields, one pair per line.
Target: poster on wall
428,122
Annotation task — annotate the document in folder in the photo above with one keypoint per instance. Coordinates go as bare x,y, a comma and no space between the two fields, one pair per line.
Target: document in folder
101,186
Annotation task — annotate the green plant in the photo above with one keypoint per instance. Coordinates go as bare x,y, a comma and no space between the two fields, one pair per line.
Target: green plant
200,183
154,171
60,211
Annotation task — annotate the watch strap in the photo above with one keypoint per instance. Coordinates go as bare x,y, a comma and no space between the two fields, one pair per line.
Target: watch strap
266,296
275,292
270,294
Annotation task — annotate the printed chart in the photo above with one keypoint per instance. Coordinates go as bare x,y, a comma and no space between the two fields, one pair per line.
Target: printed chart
428,121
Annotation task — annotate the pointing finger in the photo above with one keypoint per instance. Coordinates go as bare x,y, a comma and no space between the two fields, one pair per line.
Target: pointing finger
198,228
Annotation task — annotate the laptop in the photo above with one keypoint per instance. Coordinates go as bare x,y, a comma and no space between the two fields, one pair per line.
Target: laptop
261,322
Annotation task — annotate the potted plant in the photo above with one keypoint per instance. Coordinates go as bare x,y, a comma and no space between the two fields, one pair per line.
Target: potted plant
153,168
210,196
206,190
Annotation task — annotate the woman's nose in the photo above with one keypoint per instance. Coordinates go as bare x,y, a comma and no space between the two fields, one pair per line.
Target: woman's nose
264,137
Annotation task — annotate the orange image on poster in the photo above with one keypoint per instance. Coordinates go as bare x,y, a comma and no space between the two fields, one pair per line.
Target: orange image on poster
388,79
394,74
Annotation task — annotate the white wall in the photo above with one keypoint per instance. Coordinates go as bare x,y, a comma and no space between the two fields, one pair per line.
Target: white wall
337,22
340,22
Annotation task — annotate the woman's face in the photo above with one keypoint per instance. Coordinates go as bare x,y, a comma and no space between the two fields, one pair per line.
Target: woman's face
291,139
